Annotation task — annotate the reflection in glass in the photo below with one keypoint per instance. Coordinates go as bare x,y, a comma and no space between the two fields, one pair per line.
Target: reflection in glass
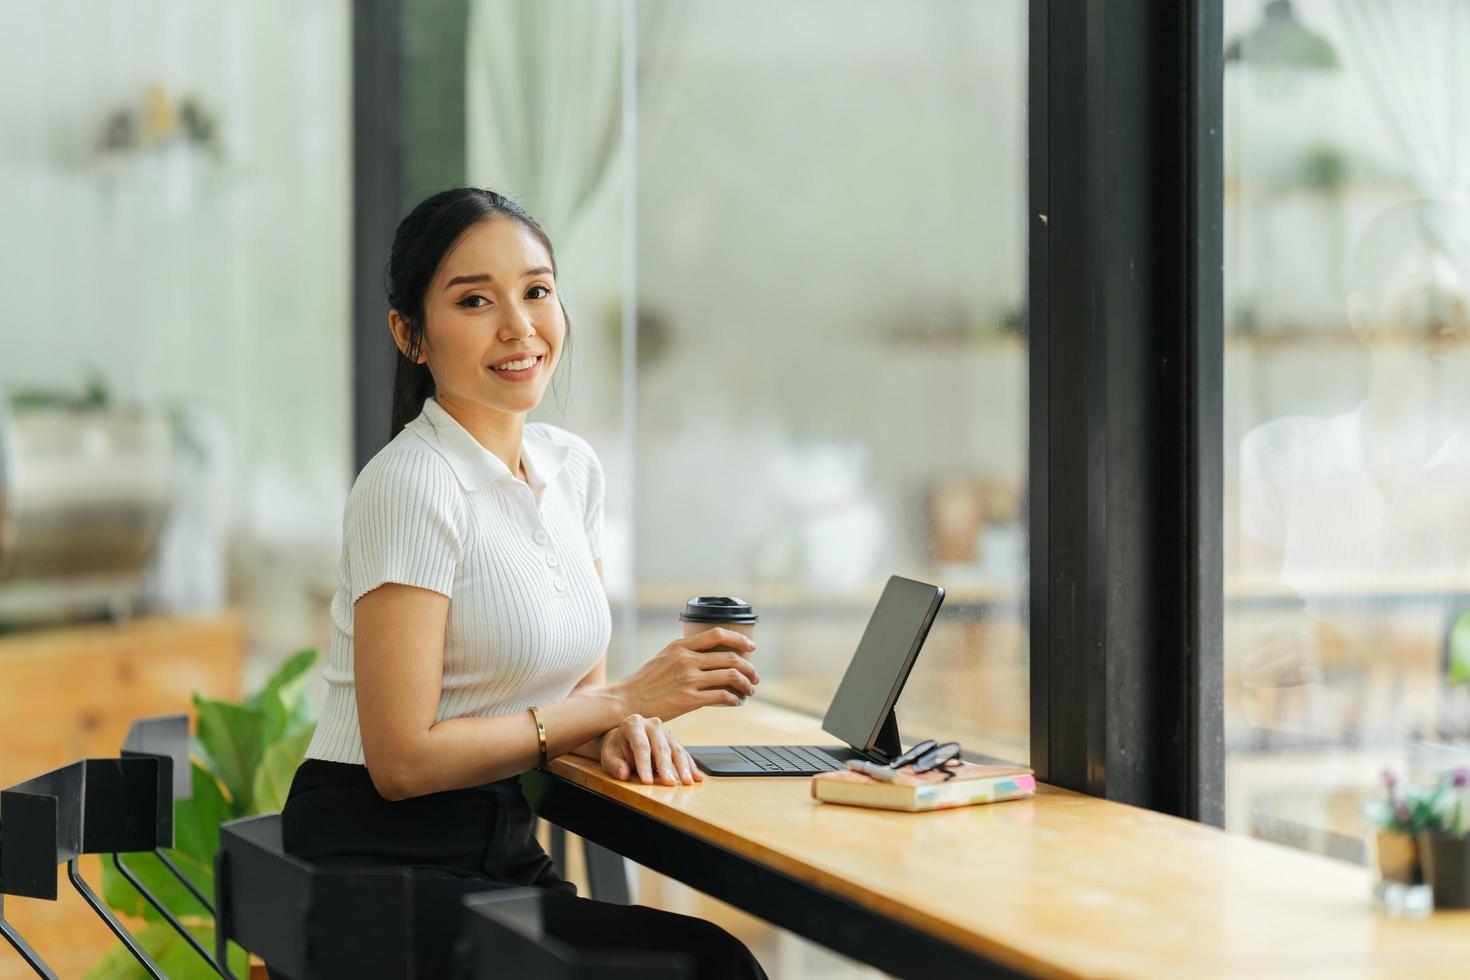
1347,389
830,269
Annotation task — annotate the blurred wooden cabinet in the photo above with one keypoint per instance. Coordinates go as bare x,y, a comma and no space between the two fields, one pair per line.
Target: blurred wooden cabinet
70,693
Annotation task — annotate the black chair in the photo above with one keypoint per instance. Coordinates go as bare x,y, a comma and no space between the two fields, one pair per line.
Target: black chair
275,904
164,737
513,933
93,806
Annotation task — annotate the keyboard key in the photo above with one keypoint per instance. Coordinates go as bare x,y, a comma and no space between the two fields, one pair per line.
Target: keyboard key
799,759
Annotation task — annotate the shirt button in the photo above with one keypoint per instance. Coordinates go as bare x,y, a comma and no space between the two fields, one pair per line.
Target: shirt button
541,537
551,560
561,585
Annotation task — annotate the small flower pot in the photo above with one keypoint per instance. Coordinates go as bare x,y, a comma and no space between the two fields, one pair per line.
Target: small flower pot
1395,858
1447,866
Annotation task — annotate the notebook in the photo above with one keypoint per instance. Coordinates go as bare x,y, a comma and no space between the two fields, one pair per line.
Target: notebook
972,783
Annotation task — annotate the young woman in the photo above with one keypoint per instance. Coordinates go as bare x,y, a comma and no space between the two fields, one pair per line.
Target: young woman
470,623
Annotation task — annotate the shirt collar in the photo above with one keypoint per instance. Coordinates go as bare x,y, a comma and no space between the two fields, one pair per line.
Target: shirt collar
477,467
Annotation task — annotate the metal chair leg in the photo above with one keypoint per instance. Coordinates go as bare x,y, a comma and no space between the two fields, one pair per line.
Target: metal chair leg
184,880
167,915
126,938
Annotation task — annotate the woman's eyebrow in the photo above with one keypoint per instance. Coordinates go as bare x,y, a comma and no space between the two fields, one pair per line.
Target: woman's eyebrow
539,270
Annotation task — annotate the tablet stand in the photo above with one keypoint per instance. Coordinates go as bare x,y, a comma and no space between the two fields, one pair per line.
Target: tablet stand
886,743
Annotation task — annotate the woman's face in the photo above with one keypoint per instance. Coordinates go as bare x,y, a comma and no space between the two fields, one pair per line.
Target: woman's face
491,302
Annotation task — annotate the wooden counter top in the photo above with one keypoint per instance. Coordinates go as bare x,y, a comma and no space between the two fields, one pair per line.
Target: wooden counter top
1063,885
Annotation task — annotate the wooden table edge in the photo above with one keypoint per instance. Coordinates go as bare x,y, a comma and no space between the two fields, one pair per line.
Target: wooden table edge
587,775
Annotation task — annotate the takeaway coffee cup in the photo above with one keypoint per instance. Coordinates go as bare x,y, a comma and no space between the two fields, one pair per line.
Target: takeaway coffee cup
705,611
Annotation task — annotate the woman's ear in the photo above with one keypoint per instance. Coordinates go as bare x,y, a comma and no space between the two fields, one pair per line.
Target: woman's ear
399,327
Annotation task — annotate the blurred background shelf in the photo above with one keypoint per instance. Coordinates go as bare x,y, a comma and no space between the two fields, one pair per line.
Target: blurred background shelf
787,598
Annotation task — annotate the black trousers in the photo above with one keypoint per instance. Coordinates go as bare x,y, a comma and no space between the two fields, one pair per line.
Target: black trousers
474,840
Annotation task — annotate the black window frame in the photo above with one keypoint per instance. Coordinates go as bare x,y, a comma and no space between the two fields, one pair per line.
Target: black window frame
1126,347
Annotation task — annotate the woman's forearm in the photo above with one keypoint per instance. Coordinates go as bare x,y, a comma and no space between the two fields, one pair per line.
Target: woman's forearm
591,749
596,678
460,752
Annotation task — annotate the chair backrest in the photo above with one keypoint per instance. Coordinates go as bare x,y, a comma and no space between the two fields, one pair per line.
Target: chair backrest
164,736
289,911
92,806
506,933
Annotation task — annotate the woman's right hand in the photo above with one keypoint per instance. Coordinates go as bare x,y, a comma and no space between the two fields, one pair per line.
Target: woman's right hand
684,676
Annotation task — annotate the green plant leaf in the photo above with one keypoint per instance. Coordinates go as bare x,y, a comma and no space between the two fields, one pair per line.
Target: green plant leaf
287,712
277,767
1459,669
292,669
283,702
122,897
243,750
229,741
197,820
176,959
118,963
119,893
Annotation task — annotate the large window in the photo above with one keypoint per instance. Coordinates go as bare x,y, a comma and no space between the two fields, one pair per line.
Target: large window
176,196
175,373
824,230
1347,394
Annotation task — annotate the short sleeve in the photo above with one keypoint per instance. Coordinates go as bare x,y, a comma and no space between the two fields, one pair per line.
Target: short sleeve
402,524
596,494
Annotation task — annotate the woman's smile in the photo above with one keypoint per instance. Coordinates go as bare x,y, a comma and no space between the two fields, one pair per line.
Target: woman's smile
518,369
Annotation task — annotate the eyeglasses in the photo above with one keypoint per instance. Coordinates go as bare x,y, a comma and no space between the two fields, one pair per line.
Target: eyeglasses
928,755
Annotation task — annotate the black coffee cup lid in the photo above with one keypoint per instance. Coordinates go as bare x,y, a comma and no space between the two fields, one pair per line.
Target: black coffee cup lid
718,609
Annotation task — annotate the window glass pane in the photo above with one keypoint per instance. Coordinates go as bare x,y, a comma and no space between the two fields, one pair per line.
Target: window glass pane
821,240
176,202
1347,374
175,388
831,375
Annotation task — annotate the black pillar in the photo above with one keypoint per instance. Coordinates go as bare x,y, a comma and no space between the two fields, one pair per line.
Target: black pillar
1126,349
377,190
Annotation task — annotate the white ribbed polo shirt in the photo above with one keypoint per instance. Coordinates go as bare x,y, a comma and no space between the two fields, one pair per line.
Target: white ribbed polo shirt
528,616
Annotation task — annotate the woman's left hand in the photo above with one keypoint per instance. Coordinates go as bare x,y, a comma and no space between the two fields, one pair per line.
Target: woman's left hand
644,745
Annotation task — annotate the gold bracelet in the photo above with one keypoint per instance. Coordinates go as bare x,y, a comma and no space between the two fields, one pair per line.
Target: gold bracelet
540,733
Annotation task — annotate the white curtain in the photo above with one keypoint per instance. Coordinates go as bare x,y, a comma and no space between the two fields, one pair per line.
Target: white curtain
544,83
544,98
1414,59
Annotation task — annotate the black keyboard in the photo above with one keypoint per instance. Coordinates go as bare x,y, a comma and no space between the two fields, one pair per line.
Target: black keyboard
790,758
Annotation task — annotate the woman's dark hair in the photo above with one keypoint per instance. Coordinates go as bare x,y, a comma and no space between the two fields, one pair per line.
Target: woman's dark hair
419,245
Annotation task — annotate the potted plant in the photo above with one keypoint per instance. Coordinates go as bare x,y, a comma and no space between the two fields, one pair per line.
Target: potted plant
245,756
1400,815
1444,843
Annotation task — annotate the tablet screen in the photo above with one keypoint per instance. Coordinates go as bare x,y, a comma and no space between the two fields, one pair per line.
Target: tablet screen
878,669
